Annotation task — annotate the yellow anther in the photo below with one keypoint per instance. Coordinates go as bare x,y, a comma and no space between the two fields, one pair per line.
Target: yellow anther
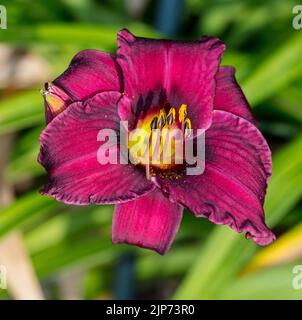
154,122
182,113
187,126
171,116
162,118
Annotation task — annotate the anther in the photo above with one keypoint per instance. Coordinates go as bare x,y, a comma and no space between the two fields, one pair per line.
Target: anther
162,119
153,124
182,113
187,127
171,116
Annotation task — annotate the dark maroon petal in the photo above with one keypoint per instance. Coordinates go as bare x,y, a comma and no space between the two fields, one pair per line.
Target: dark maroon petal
232,188
69,149
125,112
90,72
177,71
151,221
229,96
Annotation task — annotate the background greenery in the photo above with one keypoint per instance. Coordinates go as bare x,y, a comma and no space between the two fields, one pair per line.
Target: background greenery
206,261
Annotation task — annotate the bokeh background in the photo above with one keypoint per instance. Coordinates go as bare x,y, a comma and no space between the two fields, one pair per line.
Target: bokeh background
54,251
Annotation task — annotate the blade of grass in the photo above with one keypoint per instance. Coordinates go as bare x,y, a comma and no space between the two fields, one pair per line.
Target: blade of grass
218,262
274,283
80,254
286,249
66,225
21,111
289,101
91,35
276,71
24,209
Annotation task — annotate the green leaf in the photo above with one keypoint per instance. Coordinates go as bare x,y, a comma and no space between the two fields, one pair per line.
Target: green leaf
23,210
92,35
285,187
80,254
272,284
289,101
225,251
25,167
276,71
66,225
286,249
21,111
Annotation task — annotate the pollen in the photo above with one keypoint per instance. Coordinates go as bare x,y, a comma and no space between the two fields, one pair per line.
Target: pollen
161,147
171,116
182,113
187,127
162,118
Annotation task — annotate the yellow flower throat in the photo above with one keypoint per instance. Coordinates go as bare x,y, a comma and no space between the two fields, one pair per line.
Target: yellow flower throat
157,141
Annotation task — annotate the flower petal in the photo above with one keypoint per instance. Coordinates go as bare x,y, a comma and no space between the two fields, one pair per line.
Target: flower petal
151,221
229,96
69,149
90,72
179,72
232,188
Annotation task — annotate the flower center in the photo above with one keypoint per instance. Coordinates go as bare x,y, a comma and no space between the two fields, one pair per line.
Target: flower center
157,142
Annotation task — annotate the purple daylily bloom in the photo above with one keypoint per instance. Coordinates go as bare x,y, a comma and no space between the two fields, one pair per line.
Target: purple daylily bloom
154,77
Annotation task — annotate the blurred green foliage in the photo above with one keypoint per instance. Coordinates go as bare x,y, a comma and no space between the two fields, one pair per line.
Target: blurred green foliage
206,261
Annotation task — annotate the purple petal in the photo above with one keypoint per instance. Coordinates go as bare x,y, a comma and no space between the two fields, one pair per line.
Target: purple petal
179,72
90,72
69,149
126,113
232,188
151,221
229,96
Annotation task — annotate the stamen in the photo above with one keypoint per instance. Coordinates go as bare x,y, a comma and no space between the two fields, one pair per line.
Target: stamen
162,119
182,113
161,148
153,124
187,127
171,116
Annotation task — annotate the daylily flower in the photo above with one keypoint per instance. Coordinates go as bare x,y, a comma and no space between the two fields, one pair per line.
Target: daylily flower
160,83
